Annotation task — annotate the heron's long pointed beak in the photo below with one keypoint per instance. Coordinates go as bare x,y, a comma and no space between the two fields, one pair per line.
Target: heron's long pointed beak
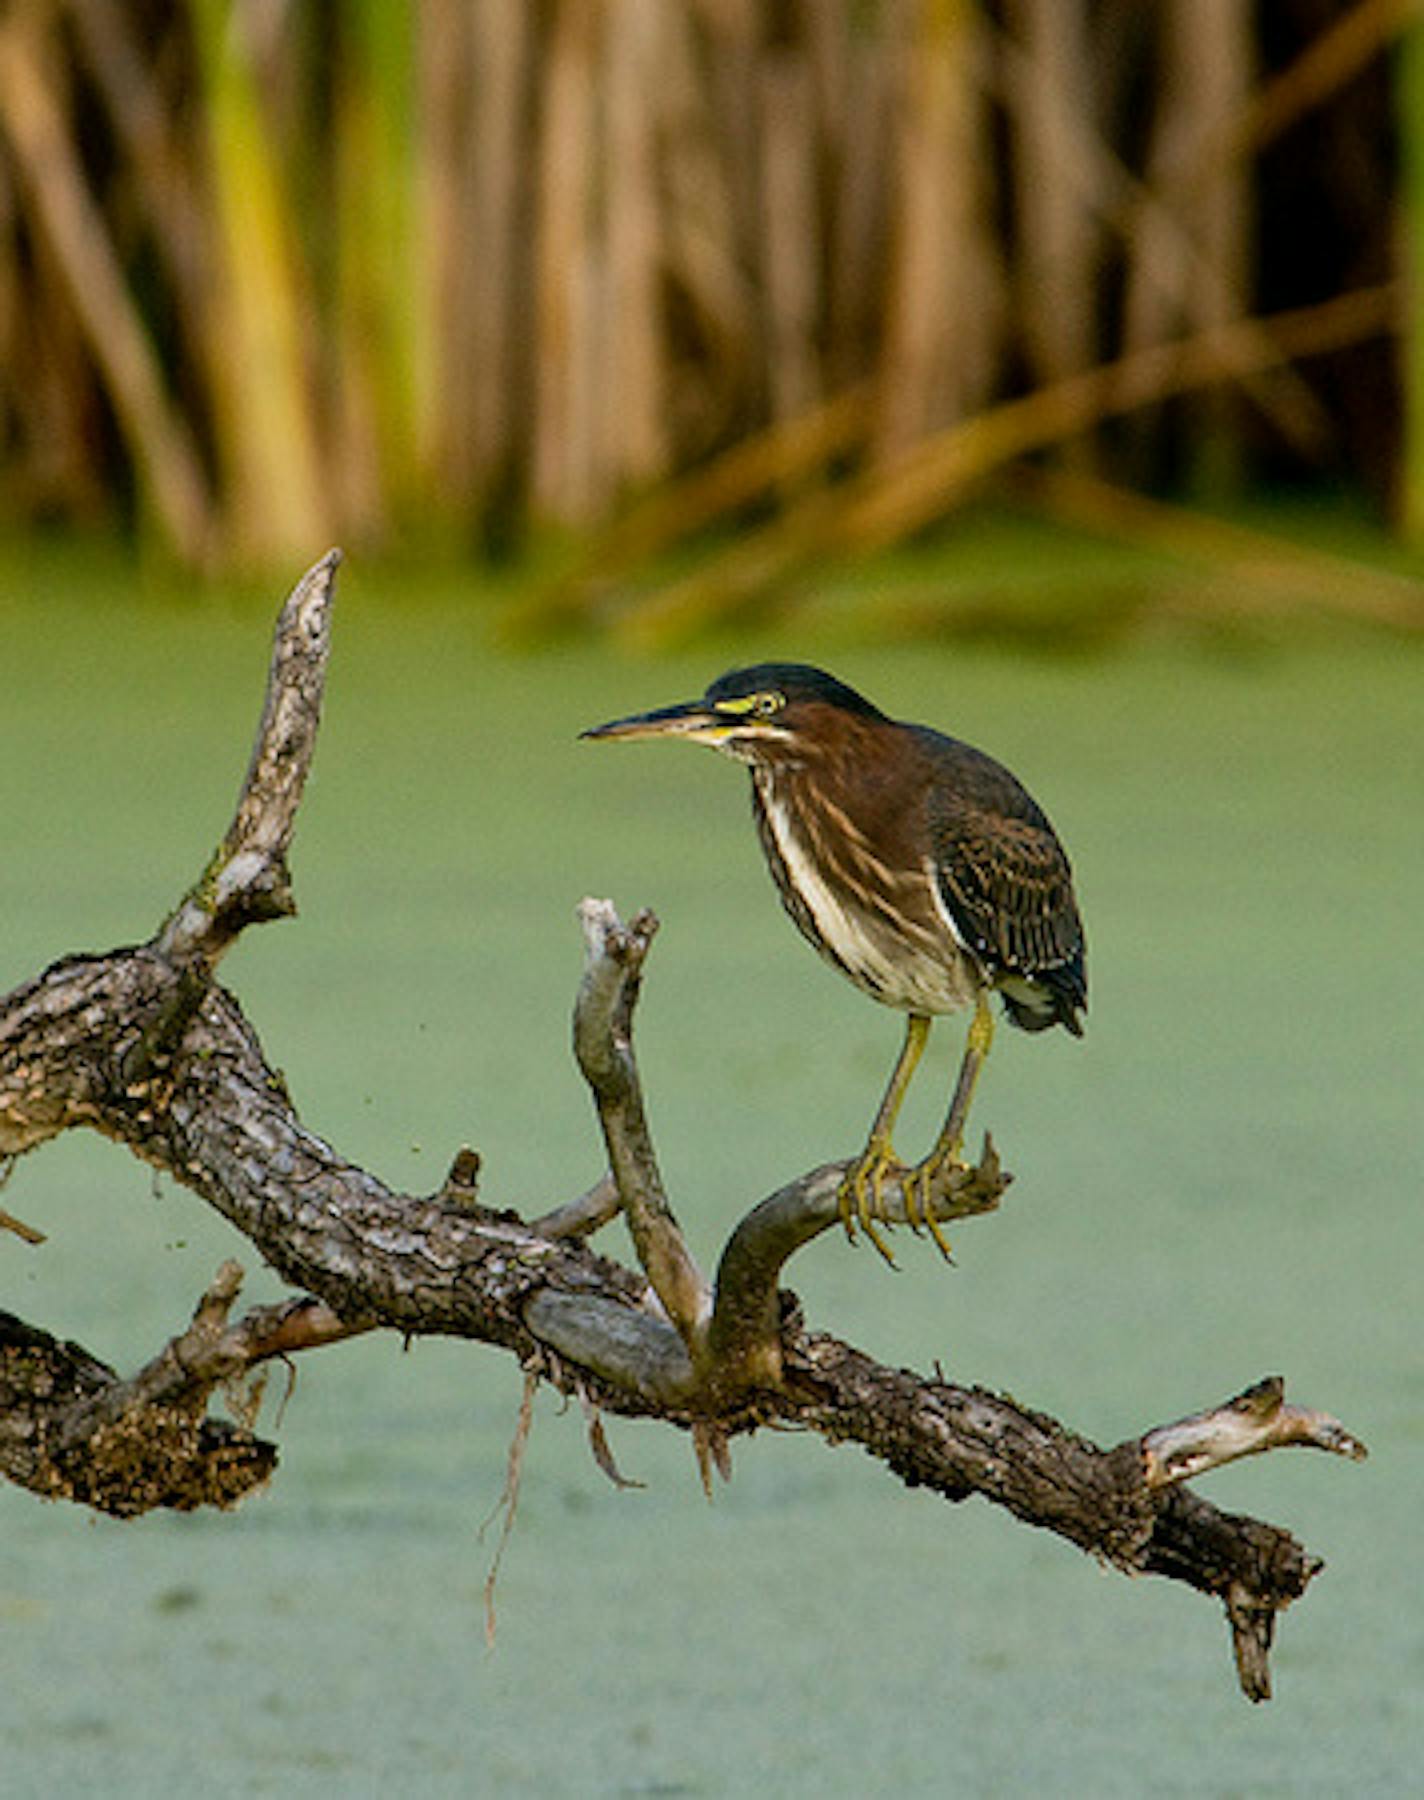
692,719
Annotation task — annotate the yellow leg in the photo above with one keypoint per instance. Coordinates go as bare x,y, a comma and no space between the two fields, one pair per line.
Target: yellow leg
976,1053
861,1191
951,1137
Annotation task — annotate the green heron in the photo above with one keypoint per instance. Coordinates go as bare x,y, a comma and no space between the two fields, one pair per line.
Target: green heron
914,863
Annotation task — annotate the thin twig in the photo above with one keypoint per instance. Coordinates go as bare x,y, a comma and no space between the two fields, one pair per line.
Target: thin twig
582,1217
29,1233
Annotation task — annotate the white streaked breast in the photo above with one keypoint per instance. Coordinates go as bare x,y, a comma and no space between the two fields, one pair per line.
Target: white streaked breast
877,960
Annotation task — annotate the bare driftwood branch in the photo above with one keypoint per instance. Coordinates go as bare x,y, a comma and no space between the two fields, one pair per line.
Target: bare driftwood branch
143,1045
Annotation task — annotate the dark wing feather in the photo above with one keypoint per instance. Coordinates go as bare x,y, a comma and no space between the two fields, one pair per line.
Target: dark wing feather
1007,884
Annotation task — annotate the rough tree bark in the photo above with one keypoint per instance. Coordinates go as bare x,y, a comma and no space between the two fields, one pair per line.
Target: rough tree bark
144,1045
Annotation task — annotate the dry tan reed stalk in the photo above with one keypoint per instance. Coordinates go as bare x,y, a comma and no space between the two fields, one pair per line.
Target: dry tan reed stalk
788,228
937,357
128,82
634,385
562,471
1057,232
1189,266
265,422
79,240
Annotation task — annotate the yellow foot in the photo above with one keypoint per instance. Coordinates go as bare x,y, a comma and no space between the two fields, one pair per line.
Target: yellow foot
933,1176
861,1196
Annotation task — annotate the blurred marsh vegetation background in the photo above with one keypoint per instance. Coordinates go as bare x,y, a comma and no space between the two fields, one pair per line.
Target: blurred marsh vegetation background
697,297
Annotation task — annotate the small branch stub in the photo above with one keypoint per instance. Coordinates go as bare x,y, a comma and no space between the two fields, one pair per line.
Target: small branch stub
1256,1420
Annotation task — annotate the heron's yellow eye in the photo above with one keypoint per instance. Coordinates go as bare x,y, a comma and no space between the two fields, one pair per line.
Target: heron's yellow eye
762,704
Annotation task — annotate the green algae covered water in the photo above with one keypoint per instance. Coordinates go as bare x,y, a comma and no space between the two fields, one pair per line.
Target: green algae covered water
1222,1181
